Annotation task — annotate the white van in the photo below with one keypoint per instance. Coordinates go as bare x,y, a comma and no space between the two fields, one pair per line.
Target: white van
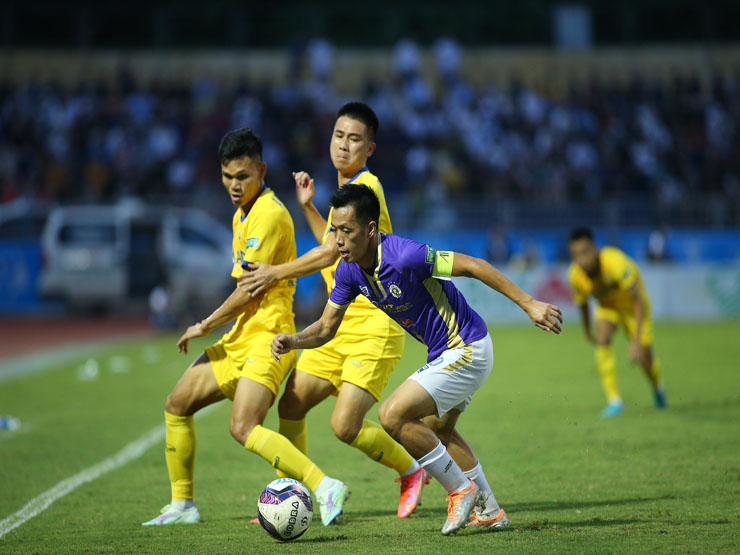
108,256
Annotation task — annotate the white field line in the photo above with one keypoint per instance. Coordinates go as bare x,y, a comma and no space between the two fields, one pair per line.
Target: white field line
39,504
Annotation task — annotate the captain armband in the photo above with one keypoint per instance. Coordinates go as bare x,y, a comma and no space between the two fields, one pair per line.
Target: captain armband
443,264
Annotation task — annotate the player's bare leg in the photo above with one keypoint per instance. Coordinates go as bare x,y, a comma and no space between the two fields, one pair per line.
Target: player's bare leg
401,415
350,426
302,392
252,400
196,389
606,363
459,449
651,366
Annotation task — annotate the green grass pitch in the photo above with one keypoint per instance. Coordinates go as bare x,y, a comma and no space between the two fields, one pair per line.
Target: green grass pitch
665,481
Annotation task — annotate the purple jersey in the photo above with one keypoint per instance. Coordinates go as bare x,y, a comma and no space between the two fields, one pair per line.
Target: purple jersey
404,287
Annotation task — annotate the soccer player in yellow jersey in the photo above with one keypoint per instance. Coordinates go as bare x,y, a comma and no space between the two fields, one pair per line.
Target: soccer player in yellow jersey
357,363
612,278
240,366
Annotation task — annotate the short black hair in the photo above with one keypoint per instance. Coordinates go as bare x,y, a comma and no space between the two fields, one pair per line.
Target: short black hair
580,233
239,143
361,198
361,112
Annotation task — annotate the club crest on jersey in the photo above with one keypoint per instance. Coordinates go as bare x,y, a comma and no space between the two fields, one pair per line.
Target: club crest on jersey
395,290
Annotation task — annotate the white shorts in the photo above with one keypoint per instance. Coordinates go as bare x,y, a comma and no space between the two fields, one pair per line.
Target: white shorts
453,377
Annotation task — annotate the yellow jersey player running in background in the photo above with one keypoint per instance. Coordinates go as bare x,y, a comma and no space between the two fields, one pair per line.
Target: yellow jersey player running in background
612,278
357,363
240,366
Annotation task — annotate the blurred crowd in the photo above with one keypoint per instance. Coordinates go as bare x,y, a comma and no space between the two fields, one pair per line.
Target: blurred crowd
666,143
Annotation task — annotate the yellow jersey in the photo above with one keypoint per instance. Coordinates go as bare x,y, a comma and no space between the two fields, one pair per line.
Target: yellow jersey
618,275
361,310
264,235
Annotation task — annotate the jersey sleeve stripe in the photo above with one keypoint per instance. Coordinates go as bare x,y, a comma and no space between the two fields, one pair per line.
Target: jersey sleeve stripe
442,304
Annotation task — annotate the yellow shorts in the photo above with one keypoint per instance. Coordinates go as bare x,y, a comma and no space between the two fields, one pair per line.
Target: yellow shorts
260,366
363,360
627,319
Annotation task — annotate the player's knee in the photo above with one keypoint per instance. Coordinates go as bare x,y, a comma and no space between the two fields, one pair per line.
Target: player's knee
173,405
240,430
603,341
390,419
346,430
290,407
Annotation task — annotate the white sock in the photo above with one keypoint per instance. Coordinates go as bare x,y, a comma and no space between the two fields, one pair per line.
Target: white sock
477,475
440,465
183,504
413,468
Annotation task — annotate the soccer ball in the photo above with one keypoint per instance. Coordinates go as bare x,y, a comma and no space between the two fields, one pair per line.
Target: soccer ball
285,509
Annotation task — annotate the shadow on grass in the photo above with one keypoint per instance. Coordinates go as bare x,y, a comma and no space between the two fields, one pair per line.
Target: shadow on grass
563,505
706,409
548,526
419,513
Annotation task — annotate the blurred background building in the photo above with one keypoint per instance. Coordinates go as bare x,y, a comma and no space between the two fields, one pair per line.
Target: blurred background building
502,126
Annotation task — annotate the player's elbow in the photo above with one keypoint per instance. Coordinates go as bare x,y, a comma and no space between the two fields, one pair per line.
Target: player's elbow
471,267
243,297
327,332
328,254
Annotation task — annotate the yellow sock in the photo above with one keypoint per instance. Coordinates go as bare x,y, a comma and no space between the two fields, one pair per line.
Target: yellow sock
654,374
375,442
179,451
283,455
297,432
606,362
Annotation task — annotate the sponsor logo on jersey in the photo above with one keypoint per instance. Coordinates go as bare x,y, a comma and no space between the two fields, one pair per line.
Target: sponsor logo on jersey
253,242
251,360
406,322
431,253
364,290
395,290
392,309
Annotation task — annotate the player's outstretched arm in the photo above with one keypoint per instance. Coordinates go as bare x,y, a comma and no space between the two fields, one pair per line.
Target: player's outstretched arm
315,335
259,277
304,191
544,315
232,307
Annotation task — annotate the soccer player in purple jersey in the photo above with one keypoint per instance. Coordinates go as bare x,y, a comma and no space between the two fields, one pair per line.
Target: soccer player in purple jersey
409,281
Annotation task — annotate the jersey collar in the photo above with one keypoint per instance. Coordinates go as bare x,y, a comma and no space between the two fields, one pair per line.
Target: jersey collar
363,170
244,216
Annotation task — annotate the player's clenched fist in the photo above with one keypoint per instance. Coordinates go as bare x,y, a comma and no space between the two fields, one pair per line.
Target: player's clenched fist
282,343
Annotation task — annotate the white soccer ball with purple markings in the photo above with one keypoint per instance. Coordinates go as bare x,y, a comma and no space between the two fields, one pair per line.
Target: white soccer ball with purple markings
285,509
